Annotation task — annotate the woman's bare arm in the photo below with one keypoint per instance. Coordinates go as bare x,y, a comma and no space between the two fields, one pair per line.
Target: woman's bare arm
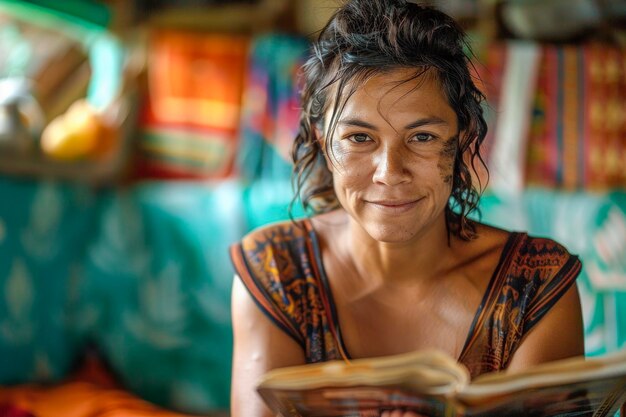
259,345
558,335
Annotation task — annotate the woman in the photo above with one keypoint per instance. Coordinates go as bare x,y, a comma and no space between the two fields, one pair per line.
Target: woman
389,137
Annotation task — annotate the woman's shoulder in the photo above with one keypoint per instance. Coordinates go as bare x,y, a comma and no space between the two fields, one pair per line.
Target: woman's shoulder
486,248
479,257
519,254
543,247
524,244
271,254
317,227
491,237
277,234
545,261
526,257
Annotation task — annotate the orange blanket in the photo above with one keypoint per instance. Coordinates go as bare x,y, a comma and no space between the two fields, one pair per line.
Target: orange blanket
79,399
91,391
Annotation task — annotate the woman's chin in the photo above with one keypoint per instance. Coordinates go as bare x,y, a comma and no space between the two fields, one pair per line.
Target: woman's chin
390,234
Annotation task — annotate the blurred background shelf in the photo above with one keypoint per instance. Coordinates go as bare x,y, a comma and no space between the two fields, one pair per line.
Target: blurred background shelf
110,169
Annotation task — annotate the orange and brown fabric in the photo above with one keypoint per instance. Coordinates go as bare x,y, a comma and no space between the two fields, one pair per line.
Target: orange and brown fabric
190,120
75,399
92,391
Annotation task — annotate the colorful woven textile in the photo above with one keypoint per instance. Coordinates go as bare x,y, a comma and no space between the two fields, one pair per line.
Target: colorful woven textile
570,133
578,134
271,107
191,117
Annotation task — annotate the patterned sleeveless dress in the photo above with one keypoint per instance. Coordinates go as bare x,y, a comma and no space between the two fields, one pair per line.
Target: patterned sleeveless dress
281,267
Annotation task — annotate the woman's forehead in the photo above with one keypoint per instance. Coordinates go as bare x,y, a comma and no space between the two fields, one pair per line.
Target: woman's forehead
397,91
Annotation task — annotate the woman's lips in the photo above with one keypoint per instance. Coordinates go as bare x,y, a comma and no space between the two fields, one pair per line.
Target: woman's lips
394,206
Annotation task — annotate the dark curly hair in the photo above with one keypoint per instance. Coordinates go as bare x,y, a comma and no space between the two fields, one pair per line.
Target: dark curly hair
368,37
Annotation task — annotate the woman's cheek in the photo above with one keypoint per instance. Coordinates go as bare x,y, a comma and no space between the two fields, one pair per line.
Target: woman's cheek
446,159
351,169
348,180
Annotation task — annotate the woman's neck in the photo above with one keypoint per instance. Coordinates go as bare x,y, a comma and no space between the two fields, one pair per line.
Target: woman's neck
405,263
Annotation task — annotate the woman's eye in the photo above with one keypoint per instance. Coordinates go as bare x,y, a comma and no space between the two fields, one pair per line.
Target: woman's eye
423,137
359,138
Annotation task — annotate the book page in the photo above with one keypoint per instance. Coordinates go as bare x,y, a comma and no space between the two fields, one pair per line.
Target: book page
420,381
547,374
360,401
424,371
581,399
572,387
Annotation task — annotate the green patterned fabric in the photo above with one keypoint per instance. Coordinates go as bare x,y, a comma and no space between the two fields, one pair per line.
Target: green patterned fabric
44,229
158,272
143,273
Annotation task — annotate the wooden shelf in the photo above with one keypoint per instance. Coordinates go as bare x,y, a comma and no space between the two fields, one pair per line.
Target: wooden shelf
238,18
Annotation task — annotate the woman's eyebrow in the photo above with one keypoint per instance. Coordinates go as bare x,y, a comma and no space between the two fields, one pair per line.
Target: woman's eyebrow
426,121
433,120
354,122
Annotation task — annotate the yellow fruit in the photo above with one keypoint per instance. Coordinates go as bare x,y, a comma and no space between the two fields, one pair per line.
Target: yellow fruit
72,135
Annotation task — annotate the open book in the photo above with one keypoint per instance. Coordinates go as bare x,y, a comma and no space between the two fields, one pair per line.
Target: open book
433,384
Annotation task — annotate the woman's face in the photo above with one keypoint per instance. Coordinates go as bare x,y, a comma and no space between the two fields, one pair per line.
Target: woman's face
392,155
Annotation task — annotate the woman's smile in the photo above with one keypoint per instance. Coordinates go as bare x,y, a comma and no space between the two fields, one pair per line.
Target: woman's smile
394,206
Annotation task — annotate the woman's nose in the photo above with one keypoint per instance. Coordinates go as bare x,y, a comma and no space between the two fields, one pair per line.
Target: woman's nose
391,167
